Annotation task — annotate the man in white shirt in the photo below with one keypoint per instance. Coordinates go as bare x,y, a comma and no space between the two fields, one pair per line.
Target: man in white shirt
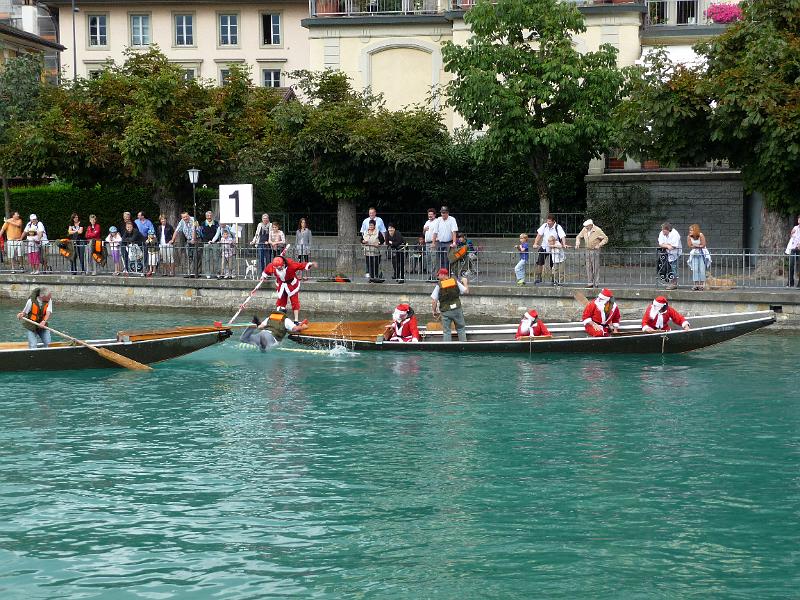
430,247
548,228
793,250
445,232
670,240
373,216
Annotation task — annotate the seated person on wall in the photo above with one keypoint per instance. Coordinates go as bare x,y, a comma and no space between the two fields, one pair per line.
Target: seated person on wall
601,316
403,327
271,331
531,326
659,314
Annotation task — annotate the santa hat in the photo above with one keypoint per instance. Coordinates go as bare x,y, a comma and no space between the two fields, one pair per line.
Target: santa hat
531,315
278,262
403,308
659,303
605,295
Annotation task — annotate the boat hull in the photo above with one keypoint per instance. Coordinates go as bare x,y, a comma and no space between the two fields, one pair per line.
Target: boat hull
62,358
631,342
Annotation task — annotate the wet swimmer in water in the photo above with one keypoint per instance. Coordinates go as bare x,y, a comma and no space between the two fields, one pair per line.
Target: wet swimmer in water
271,331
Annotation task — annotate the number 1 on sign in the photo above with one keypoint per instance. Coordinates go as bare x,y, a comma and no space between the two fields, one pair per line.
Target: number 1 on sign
235,196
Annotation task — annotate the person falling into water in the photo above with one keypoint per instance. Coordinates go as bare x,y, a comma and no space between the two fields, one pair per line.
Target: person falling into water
271,331
38,308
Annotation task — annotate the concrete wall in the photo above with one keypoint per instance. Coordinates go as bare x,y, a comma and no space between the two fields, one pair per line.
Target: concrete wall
714,200
355,300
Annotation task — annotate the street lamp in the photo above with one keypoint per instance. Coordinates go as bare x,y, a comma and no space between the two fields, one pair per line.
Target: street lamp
74,46
194,175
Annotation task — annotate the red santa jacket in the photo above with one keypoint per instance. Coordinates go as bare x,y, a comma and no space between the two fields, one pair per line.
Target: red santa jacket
286,281
404,331
661,320
538,329
593,313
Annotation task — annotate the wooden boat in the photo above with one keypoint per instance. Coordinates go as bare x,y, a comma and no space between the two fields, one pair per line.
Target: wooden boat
566,337
147,347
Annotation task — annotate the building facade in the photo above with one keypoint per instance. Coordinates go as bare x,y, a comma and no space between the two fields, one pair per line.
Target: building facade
28,27
204,38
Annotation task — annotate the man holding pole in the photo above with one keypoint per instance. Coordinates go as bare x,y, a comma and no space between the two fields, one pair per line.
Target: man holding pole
38,309
286,281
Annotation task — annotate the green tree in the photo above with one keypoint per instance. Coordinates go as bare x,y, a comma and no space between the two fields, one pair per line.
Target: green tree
20,81
520,79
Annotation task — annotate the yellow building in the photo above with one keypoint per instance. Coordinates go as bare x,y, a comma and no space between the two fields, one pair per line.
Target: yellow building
203,37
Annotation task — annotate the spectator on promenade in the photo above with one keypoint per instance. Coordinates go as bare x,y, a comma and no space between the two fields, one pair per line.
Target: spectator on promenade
207,231
187,227
94,241
302,241
227,252
445,232
151,245
164,234
446,302
601,316
659,314
531,326
75,233
593,238
13,230
548,228
419,256
277,239
698,257
519,268
793,250
261,242
397,249
373,216
372,240
557,259
143,224
39,309
671,248
132,249
126,217
462,257
427,231
114,243
35,236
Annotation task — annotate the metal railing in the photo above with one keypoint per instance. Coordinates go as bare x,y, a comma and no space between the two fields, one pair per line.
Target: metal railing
351,8
677,12
623,267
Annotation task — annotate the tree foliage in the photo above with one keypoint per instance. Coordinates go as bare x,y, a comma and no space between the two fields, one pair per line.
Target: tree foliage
520,79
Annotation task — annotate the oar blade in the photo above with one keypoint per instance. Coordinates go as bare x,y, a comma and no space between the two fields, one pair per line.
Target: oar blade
122,361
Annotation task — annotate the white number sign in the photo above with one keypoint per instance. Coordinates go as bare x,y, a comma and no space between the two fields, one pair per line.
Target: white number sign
236,203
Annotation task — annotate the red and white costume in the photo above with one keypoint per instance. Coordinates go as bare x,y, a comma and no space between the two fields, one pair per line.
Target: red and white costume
531,326
657,319
602,311
286,283
403,327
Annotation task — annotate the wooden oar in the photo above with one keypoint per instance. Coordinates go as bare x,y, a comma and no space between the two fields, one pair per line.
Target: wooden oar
579,297
122,361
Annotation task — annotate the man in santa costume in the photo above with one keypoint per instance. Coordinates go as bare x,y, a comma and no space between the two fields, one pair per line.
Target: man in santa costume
531,326
403,327
286,282
658,315
601,316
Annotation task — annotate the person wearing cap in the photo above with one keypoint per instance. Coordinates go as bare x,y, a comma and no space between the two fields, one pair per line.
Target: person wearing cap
593,238
658,315
403,327
287,284
445,233
35,235
271,331
531,326
39,309
446,299
113,244
601,316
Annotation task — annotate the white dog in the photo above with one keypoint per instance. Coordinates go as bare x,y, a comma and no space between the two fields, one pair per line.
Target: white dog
250,273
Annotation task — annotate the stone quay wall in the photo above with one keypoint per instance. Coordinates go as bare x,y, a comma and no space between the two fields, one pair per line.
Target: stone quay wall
355,301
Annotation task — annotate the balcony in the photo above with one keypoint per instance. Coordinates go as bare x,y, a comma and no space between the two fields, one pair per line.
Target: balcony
665,13
362,8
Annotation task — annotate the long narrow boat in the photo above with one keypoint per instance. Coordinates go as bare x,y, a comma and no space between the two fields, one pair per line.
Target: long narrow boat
566,337
147,347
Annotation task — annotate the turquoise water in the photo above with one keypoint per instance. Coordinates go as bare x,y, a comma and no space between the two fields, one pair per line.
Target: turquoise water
235,474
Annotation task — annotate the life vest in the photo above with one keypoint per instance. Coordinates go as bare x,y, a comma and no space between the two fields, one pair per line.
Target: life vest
276,325
449,294
37,312
66,248
456,254
98,252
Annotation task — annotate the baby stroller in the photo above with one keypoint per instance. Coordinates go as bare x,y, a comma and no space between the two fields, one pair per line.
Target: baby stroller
135,260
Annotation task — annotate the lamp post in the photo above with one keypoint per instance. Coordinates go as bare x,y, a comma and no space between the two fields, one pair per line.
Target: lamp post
194,175
74,47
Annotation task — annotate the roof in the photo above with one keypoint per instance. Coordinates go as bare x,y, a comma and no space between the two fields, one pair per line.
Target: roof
29,37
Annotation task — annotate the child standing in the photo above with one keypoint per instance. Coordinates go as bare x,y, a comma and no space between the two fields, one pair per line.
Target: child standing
522,248
558,258
151,243
228,251
113,240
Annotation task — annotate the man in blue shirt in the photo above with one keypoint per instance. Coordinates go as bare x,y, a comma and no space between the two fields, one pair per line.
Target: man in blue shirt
373,216
187,226
144,225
